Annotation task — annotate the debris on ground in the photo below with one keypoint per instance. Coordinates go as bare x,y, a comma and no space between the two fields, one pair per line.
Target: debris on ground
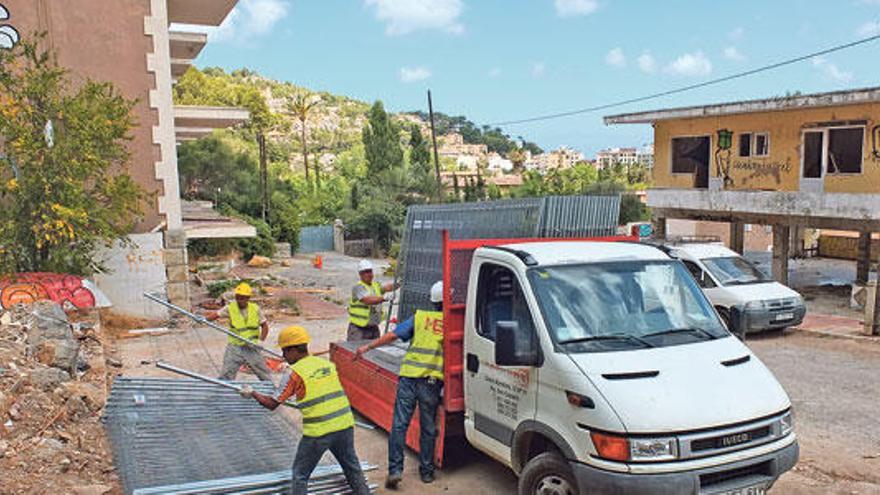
259,262
53,382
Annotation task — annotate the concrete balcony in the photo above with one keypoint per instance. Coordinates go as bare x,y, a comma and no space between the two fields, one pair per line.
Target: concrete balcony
201,12
193,122
802,209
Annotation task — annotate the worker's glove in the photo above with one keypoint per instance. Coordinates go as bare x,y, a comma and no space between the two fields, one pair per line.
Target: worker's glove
246,391
388,296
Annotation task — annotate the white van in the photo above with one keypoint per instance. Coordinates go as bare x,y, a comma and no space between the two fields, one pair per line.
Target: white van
730,280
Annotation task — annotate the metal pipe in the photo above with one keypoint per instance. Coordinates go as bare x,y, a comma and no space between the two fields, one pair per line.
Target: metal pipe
192,374
201,319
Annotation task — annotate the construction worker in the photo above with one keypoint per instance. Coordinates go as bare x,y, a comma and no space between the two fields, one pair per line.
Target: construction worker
421,382
328,423
365,306
245,320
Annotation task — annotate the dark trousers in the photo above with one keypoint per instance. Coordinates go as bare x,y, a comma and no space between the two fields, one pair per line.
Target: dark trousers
425,393
356,333
341,445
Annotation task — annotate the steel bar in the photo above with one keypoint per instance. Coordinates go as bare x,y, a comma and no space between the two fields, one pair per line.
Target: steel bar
192,374
205,321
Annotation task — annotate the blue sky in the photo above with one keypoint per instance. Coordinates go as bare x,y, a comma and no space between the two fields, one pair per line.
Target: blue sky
497,60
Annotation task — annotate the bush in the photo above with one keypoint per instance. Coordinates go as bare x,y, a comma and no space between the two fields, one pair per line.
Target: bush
263,244
210,247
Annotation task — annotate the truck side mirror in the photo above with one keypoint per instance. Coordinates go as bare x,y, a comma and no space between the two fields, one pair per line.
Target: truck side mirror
513,349
738,322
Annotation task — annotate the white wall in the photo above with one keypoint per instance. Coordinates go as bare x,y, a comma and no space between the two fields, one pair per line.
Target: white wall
133,270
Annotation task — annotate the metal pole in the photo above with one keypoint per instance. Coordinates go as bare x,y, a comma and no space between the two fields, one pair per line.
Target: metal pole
436,156
203,320
192,374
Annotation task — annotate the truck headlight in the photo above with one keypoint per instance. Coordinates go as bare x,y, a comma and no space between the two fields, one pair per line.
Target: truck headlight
623,449
786,424
756,305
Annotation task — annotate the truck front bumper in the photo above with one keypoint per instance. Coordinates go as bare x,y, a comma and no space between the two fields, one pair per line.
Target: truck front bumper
717,479
764,319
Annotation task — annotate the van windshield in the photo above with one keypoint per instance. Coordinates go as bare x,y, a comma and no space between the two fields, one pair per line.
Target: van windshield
623,305
734,270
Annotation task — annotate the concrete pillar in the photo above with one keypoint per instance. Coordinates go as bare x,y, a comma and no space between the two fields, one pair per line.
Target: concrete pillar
797,242
659,227
339,236
781,245
872,309
177,267
863,259
737,236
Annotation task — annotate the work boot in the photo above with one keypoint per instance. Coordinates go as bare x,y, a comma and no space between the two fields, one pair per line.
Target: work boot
392,481
427,478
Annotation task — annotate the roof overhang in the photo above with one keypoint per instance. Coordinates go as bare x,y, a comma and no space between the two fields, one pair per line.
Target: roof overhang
193,122
201,221
200,12
782,103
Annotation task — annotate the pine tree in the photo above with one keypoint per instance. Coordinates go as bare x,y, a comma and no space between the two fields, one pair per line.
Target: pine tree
420,157
381,142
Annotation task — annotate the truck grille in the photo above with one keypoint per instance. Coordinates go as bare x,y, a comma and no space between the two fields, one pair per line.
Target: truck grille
728,439
710,479
786,304
731,440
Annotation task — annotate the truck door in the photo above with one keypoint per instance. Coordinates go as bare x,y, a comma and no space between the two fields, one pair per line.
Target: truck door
498,398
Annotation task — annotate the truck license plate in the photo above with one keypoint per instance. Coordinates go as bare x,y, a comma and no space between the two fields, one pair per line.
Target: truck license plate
758,489
785,316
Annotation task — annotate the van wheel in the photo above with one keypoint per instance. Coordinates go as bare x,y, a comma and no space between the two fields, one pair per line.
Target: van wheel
724,313
547,474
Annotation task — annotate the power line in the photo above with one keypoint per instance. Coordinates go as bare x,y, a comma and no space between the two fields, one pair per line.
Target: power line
690,87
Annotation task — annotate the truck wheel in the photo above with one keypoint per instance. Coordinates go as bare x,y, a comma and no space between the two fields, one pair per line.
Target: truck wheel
724,313
547,474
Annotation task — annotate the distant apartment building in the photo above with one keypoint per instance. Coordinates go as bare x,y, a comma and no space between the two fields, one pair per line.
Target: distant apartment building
133,45
453,145
626,156
497,163
561,158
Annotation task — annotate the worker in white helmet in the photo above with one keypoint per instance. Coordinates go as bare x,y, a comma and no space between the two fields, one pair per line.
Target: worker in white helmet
421,382
365,305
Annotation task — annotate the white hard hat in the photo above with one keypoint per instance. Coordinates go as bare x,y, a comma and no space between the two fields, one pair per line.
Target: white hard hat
364,266
437,292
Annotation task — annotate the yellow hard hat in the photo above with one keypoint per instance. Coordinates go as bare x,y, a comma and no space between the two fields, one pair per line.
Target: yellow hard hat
244,289
293,335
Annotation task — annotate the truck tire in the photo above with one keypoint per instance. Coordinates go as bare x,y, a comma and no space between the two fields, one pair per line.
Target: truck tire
547,474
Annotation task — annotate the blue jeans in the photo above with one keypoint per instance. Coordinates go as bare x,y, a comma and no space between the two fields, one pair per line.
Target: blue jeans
412,391
341,445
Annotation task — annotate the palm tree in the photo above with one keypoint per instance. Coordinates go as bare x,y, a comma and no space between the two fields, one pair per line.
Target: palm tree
301,106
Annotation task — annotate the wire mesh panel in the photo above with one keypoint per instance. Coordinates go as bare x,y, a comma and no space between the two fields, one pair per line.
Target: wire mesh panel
554,216
316,239
169,431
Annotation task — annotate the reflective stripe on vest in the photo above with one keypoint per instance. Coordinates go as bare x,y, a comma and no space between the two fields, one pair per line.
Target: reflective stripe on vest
358,312
325,408
249,327
424,358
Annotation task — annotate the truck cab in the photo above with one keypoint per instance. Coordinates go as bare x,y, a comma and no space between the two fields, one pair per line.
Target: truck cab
601,367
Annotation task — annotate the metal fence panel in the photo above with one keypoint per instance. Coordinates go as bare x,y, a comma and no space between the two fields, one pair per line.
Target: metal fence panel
553,216
316,239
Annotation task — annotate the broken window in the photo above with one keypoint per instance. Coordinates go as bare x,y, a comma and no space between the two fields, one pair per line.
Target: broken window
745,145
690,155
762,145
845,150
813,144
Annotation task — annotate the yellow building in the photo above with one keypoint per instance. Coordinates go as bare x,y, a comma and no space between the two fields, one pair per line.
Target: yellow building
794,162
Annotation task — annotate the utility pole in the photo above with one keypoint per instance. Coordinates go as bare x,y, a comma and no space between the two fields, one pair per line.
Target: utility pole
264,176
434,141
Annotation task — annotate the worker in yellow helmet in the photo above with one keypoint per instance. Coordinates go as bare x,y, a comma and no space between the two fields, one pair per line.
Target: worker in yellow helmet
328,423
247,321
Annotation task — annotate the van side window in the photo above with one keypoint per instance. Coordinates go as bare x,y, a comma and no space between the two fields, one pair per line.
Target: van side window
500,298
700,276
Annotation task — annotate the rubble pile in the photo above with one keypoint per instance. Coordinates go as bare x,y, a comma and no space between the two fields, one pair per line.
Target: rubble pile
53,382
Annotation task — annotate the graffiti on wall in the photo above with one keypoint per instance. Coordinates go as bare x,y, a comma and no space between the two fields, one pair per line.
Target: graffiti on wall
875,143
724,143
8,34
71,291
759,168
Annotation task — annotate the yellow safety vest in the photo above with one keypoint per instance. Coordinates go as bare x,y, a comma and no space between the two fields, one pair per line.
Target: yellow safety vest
325,407
358,312
424,358
247,327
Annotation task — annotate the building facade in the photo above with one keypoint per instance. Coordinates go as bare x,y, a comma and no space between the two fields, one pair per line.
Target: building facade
626,156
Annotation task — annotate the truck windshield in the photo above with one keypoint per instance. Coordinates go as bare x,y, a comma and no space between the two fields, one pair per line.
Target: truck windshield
734,270
622,305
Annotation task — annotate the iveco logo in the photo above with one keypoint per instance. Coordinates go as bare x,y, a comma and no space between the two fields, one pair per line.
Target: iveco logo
737,439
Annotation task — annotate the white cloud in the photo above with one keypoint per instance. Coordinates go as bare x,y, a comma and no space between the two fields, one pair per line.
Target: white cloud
616,58
646,63
250,18
494,72
736,33
405,16
414,74
570,8
870,28
538,70
731,53
691,64
832,71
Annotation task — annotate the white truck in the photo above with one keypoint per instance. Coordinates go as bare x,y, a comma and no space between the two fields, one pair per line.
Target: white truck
729,280
592,367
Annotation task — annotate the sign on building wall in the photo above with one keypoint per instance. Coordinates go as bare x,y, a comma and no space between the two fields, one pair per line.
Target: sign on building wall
8,34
